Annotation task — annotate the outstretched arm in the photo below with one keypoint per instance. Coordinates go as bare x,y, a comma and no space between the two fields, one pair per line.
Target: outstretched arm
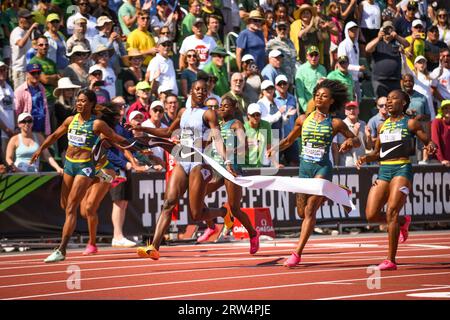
290,139
351,142
163,132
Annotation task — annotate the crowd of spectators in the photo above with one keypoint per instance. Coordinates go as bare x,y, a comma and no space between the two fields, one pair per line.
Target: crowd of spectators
268,55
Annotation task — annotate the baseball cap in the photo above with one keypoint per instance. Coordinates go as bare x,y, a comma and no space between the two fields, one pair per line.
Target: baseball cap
164,88
155,104
102,20
253,108
266,84
388,24
135,113
197,21
247,57
275,53
94,68
312,49
219,51
34,67
164,39
143,85
417,22
2,64
52,17
419,58
342,59
352,104
23,116
280,78
24,13
412,5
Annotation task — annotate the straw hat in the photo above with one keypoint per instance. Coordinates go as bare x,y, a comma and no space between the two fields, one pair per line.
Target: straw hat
255,15
306,6
78,48
64,83
102,48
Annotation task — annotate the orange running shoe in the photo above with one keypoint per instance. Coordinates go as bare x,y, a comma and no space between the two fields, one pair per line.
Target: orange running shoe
148,251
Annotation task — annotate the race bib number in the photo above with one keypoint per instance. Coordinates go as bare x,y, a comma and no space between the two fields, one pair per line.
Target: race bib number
76,139
313,154
187,138
391,136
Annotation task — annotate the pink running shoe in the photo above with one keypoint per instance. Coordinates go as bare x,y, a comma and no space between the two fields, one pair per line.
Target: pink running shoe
293,260
90,249
387,265
208,233
254,243
403,236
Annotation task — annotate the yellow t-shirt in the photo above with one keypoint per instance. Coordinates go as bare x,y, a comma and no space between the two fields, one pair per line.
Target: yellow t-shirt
143,41
418,50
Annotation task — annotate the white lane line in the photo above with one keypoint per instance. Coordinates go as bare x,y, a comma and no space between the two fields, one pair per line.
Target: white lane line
430,246
210,269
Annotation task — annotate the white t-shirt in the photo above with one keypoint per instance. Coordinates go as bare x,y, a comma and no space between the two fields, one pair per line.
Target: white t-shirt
157,151
110,81
348,159
443,82
202,46
91,31
423,85
18,54
371,16
7,108
167,77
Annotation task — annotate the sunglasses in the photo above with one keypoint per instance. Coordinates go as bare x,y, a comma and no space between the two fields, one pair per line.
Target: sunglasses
54,21
35,73
137,58
167,44
255,115
84,4
282,83
191,56
145,18
97,74
442,15
43,44
103,54
158,110
314,54
26,121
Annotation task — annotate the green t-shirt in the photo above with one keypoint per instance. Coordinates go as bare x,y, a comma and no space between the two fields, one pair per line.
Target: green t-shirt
186,26
48,68
257,140
126,10
222,86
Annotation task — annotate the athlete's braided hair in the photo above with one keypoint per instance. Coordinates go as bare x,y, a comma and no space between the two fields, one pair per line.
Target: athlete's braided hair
338,91
108,113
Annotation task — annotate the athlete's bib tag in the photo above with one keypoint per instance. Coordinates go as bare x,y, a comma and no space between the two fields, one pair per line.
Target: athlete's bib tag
76,139
313,154
391,136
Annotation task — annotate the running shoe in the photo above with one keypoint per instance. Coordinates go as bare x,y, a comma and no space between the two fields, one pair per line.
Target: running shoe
148,252
387,265
254,243
404,230
90,249
118,180
123,243
208,233
293,260
228,219
55,256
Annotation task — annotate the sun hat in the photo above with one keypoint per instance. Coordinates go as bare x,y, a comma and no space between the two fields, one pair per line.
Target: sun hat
64,83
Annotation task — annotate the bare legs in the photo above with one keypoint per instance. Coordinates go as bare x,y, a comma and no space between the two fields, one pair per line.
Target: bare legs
118,217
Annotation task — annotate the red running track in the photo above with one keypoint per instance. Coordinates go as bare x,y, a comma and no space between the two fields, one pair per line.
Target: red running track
332,268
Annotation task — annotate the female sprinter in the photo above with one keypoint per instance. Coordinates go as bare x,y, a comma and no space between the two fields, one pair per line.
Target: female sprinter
190,172
317,131
79,169
393,148
233,135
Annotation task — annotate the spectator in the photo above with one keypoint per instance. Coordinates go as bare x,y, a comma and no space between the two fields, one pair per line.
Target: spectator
284,98
251,41
103,9
259,138
127,16
97,84
272,69
305,31
424,84
440,134
132,75
208,10
358,128
22,146
333,13
217,68
77,70
347,10
307,76
49,75
202,43
349,47
253,79
391,12
442,74
188,21
79,36
443,25
83,12
164,17
281,13
142,104
417,43
433,47
230,11
161,72
163,91
341,74
64,107
283,44
403,24
267,26
189,74
378,119
30,98
386,59
142,39
110,39
101,57
236,93
213,25
156,115
41,12
7,116
369,14
57,44
20,42
171,109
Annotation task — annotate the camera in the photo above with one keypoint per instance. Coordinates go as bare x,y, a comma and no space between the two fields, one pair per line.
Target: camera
99,83
253,67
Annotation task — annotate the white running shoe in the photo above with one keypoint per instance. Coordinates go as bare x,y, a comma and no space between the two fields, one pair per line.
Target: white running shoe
123,243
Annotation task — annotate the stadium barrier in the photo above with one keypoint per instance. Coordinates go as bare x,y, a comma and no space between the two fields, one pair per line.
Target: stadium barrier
29,203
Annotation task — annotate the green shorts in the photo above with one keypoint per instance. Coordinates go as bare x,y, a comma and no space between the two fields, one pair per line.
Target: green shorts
312,169
388,171
73,169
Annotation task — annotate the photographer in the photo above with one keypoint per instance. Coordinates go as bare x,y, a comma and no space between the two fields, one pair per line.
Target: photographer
387,61
252,78
96,84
